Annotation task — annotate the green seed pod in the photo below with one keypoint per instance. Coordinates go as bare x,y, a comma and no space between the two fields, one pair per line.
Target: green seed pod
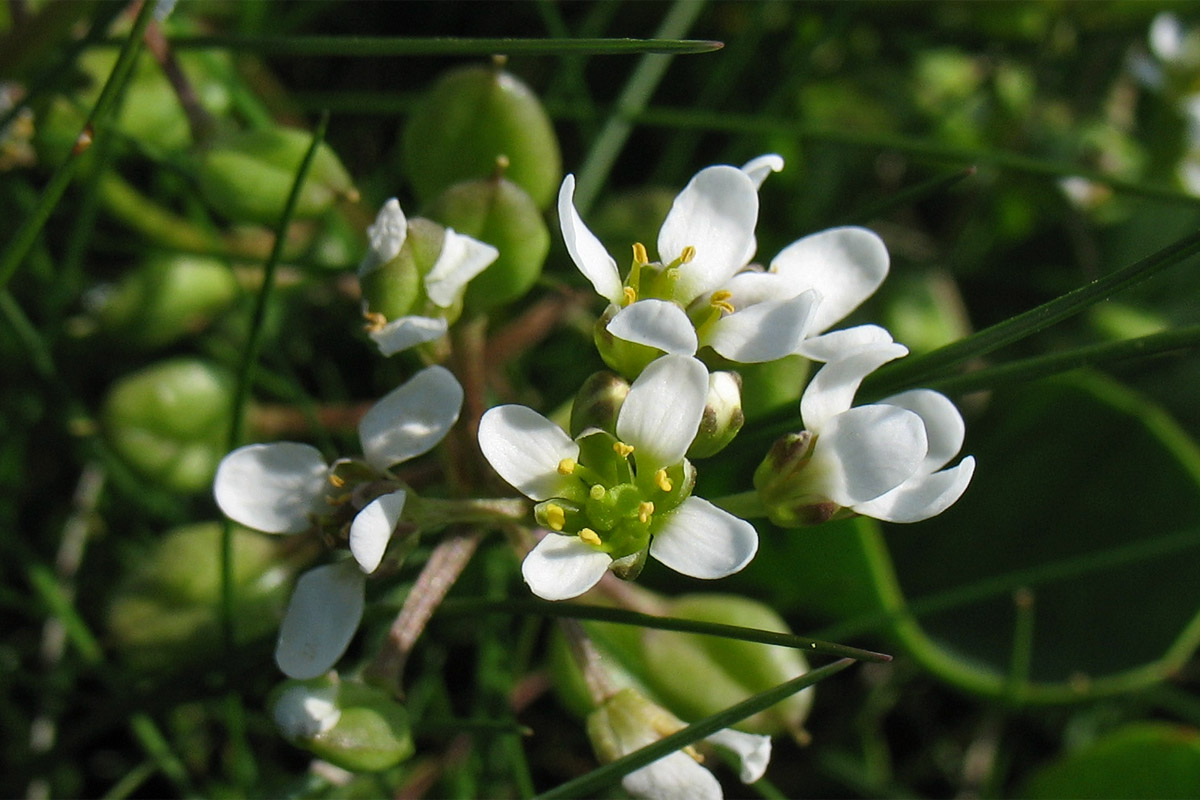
723,416
164,299
696,676
248,176
597,403
471,117
351,725
500,213
164,613
170,422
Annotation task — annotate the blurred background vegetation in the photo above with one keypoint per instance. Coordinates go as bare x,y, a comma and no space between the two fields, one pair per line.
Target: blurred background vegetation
1044,628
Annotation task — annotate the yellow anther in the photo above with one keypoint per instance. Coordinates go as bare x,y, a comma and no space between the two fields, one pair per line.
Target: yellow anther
338,500
591,537
662,481
337,480
639,254
687,255
629,295
622,449
691,751
375,321
720,300
596,492
556,517
566,466
645,510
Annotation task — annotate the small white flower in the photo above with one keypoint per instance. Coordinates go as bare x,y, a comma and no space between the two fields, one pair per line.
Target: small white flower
701,292
611,500
302,712
283,487
461,259
627,722
883,460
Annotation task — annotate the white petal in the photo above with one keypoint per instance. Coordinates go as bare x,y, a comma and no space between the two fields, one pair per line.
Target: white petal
846,265
765,331
759,169
703,541
585,249
525,449
405,332
831,390
656,323
562,567
943,424
716,214
923,497
1166,37
867,451
840,344
461,259
373,527
752,286
753,751
321,619
302,712
661,413
412,418
386,236
271,487
673,777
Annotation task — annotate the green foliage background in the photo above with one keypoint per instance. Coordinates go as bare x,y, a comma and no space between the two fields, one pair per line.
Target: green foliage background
1044,629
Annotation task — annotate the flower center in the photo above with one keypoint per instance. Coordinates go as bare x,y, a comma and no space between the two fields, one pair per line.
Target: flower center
609,505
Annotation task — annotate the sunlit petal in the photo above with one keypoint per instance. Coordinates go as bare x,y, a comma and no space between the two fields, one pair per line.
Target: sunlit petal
715,214
386,236
921,498
944,425
461,259
845,264
525,449
765,331
831,391
321,619
584,248
655,323
405,332
759,169
272,488
703,541
867,451
673,777
753,751
661,414
373,527
562,567
412,418
839,344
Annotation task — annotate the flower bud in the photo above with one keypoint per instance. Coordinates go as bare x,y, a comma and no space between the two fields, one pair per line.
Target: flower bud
351,725
164,299
723,416
164,612
501,213
471,117
781,484
249,175
597,403
697,676
170,422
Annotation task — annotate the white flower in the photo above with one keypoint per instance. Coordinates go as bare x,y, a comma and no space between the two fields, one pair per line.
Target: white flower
611,500
701,292
461,258
283,488
883,460
627,722
302,712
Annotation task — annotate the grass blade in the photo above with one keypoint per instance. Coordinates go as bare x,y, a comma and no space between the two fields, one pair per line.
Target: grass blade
368,46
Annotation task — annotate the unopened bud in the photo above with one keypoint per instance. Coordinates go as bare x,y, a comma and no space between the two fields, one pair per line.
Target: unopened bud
470,118
597,403
248,176
722,418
